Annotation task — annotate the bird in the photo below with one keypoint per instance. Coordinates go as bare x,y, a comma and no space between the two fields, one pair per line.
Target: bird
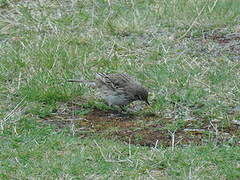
118,89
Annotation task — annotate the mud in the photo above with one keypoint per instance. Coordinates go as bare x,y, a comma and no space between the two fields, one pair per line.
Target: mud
140,129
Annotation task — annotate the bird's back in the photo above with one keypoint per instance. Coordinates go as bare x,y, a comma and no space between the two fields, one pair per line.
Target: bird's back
120,89
116,81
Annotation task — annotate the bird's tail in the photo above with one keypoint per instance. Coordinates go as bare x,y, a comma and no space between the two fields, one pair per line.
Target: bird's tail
87,82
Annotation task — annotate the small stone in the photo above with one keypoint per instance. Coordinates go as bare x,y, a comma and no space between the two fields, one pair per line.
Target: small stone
236,122
236,110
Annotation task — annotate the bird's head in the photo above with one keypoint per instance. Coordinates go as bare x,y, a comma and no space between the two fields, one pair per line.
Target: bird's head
142,95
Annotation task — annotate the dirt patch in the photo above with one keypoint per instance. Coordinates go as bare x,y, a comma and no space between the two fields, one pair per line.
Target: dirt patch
213,43
223,38
145,129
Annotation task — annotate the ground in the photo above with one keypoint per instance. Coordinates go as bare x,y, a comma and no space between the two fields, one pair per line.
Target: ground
146,129
186,53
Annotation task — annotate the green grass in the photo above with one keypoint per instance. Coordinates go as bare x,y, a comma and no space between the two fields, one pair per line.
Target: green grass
184,52
37,151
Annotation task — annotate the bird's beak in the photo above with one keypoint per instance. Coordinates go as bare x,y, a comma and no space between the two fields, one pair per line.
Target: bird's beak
147,102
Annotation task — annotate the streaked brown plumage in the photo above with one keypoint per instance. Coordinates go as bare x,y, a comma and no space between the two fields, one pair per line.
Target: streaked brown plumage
118,89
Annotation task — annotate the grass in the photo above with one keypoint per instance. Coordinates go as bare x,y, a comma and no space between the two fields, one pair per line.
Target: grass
185,52
37,151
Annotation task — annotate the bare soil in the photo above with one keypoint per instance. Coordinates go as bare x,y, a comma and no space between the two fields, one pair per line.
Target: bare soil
140,129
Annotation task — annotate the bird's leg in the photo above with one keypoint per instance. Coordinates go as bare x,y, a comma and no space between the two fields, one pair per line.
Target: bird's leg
117,112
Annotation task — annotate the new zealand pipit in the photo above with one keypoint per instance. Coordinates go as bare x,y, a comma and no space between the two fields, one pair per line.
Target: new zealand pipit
118,89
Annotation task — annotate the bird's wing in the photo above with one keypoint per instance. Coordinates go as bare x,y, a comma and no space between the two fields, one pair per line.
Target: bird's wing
116,81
